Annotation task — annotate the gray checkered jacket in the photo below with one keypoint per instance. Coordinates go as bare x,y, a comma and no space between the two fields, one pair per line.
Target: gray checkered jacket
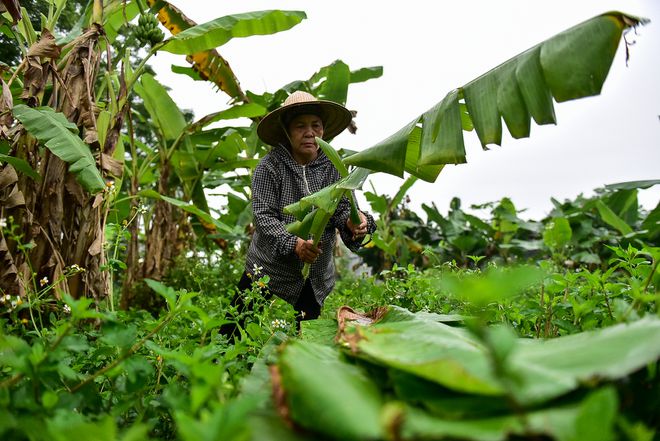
277,182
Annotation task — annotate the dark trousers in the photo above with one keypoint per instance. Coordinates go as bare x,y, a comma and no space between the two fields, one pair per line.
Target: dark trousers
307,307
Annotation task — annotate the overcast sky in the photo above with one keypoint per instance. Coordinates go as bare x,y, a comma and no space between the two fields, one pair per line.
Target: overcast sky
428,48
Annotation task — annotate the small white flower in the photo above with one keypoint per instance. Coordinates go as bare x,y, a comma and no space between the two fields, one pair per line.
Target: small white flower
67,309
257,269
3,222
75,268
43,281
278,324
142,209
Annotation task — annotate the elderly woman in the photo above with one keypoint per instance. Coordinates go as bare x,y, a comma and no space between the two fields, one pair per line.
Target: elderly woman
294,168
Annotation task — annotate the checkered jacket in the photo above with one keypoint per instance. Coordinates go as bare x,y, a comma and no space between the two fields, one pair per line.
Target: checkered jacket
277,182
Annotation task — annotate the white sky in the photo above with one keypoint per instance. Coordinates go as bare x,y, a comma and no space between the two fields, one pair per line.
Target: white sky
426,49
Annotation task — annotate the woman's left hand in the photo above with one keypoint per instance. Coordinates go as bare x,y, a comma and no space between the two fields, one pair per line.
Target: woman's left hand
358,231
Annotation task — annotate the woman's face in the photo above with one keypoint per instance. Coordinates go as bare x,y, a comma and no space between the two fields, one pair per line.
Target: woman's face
302,132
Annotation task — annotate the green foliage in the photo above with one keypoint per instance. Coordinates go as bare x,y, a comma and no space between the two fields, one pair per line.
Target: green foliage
60,136
36,9
570,65
128,374
219,31
450,360
575,233
459,353
411,375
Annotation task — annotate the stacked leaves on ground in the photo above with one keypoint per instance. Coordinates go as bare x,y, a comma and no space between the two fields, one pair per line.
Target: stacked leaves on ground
396,375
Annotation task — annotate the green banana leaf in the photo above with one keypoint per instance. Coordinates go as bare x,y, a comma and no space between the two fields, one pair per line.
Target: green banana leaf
206,65
325,201
335,87
591,419
165,114
190,208
354,180
303,228
611,218
330,82
171,123
543,370
60,137
366,74
117,15
249,110
632,185
318,383
20,165
219,31
433,351
332,154
570,65
327,198
188,71
551,368
325,394
225,148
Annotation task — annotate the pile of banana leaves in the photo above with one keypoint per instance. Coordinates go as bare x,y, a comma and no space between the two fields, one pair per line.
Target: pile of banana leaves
395,375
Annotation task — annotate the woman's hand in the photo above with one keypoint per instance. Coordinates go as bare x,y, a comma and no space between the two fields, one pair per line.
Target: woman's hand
307,251
358,231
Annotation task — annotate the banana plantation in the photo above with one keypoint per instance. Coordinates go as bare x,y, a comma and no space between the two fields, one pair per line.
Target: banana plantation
117,272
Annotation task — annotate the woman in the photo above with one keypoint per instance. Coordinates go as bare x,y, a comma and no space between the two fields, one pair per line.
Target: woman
294,168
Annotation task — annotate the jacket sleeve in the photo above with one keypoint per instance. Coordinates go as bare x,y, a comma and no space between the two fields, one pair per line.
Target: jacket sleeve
267,212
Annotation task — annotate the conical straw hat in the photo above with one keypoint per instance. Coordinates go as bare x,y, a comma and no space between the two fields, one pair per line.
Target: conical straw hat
335,117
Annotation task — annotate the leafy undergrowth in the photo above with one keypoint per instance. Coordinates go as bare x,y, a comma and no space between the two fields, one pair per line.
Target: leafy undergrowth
454,360
487,351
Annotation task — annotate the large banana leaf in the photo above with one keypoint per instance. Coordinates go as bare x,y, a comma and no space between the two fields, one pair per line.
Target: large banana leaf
592,419
247,110
326,391
210,65
165,114
219,31
543,370
570,65
328,395
60,137
337,78
611,218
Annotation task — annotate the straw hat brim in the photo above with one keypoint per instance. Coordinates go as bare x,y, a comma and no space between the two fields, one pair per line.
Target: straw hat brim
335,119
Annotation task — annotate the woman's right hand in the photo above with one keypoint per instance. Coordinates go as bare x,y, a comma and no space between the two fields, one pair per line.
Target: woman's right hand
306,250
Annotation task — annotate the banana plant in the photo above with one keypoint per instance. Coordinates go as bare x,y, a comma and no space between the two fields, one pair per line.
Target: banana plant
62,76
571,65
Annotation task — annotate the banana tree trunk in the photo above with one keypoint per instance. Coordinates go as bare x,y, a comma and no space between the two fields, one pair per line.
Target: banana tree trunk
63,221
167,236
